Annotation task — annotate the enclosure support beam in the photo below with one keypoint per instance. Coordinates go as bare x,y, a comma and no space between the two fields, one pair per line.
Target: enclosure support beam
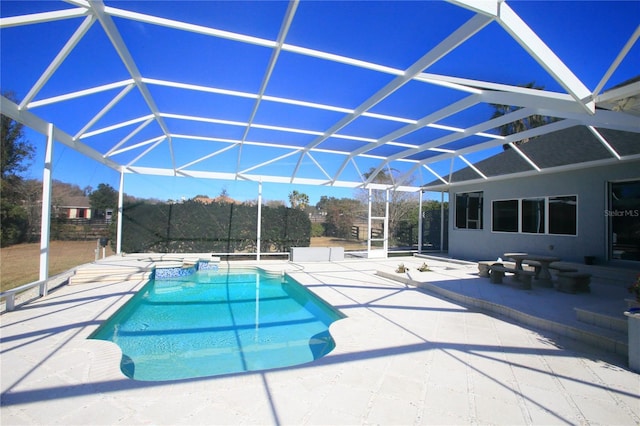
442,221
420,223
259,226
386,222
45,221
538,50
120,212
369,223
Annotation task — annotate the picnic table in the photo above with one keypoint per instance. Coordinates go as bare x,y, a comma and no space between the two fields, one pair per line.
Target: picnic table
544,276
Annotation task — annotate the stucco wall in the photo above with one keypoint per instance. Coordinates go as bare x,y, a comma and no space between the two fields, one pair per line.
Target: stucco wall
590,185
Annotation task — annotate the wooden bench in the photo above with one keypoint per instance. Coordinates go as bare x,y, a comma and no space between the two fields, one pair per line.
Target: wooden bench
522,278
574,282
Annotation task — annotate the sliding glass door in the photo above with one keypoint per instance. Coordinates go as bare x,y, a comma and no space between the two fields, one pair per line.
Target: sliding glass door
624,220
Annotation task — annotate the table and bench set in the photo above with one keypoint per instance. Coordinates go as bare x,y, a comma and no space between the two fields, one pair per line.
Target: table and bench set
568,280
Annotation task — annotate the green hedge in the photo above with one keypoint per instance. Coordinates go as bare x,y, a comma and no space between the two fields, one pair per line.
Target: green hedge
218,227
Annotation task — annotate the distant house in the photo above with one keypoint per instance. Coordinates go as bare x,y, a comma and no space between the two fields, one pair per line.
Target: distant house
75,208
316,215
583,201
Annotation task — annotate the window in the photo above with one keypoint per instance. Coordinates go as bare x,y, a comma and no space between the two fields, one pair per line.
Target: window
563,215
533,217
549,215
469,210
505,216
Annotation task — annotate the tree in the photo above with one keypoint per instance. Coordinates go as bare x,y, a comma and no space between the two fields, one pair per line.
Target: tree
341,214
32,202
317,230
15,154
298,200
102,199
16,151
522,124
274,203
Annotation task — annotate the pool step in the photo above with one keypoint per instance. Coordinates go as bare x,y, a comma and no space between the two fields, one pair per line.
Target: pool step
612,275
602,320
110,274
598,331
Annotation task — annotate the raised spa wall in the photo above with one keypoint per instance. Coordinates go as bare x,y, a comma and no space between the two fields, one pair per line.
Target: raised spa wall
174,270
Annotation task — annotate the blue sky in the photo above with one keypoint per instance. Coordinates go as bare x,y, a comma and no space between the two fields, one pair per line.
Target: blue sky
586,35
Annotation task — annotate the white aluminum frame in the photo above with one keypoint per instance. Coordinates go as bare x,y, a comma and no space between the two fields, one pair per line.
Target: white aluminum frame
575,107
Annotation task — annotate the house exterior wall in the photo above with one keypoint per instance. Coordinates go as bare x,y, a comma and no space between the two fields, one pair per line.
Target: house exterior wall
589,185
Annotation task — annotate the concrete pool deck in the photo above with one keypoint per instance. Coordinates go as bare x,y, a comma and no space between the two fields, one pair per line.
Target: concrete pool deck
404,355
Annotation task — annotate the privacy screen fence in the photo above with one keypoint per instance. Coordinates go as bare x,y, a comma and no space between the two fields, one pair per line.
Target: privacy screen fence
195,227
217,227
433,229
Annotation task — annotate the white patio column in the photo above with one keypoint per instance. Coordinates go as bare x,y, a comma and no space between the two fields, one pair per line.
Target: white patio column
420,223
45,221
386,223
120,212
442,221
259,226
369,225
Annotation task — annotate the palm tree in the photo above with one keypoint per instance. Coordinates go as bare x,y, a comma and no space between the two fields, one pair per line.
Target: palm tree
522,124
298,200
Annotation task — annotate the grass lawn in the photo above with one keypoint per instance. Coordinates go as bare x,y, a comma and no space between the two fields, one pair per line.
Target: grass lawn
338,242
20,264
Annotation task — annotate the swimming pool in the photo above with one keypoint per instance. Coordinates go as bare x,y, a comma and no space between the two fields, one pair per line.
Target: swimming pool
217,322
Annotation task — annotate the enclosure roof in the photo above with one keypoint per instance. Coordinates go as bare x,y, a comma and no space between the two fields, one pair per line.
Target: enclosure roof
576,147
324,93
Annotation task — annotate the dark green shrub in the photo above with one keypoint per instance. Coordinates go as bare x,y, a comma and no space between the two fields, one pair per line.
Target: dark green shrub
217,227
317,230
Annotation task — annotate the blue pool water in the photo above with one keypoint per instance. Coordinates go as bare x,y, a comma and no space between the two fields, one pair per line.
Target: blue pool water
219,322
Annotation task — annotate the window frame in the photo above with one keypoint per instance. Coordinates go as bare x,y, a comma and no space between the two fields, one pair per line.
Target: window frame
517,215
547,215
480,211
575,234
